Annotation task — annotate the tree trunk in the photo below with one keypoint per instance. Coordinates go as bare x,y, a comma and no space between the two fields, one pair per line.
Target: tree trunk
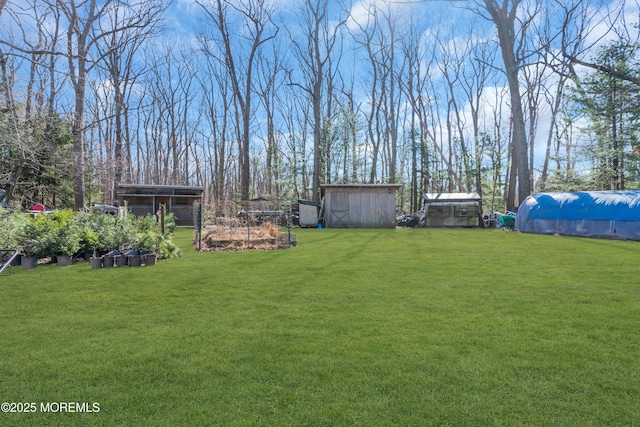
77,134
504,20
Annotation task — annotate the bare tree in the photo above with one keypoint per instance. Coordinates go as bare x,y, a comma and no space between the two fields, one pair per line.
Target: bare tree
504,14
498,155
298,117
414,58
393,94
217,112
121,50
534,77
170,100
366,37
314,52
478,76
270,82
451,65
257,29
89,23
379,40
419,56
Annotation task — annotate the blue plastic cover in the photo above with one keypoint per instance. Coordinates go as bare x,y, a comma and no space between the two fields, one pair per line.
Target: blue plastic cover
611,214
3,202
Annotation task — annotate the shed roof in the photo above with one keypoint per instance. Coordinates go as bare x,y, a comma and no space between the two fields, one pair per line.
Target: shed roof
160,190
360,185
451,197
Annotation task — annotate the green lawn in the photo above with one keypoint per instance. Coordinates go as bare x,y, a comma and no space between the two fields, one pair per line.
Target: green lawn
352,327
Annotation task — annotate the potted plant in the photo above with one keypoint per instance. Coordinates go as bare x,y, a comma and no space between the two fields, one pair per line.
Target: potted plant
144,240
87,235
150,258
96,261
9,227
89,241
104,226
134,258
63,237
29,240
92,235
123,235
121,260
108,259
67,244
89,244
107,232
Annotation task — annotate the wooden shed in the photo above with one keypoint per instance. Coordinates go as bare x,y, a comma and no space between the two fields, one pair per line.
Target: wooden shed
359,205
145,199
452,209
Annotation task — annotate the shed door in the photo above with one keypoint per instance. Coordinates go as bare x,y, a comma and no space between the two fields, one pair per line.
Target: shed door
340,209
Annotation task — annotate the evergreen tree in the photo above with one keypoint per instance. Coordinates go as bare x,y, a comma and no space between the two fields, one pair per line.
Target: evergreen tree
36,159
611,106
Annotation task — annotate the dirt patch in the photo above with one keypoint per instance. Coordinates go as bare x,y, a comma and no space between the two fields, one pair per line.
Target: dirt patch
265,237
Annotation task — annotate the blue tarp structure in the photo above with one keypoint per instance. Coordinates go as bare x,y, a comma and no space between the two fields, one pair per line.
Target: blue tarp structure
609,214
3,202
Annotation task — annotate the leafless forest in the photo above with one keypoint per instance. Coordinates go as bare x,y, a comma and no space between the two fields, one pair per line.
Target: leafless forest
266,98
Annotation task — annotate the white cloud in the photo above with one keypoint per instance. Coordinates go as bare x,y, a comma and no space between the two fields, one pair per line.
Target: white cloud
364,11
602,25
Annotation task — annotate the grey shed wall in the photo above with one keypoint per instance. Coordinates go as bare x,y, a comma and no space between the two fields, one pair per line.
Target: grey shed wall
359,205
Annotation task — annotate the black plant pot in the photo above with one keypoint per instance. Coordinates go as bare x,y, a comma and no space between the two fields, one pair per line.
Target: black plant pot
29,262
107,261
96,262
135,260
150,259
121,261
16,261
64,260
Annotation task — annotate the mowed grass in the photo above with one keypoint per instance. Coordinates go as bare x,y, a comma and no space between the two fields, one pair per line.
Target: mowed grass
352,327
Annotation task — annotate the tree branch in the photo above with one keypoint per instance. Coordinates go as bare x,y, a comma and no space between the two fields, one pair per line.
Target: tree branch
604,69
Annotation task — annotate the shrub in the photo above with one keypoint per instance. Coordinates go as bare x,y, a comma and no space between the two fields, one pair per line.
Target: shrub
145,233
89,239
63,234
9,226
124,231
169,223
104,226
30,235
67,232
166,248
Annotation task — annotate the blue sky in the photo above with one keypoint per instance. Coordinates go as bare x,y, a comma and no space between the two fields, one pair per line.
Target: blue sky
450,20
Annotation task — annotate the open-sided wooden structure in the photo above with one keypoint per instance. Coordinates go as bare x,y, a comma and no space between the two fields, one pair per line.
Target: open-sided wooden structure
143,199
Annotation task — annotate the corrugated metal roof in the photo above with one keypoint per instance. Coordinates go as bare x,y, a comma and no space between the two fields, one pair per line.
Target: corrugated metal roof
153,186
360,185
451,197
150,190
